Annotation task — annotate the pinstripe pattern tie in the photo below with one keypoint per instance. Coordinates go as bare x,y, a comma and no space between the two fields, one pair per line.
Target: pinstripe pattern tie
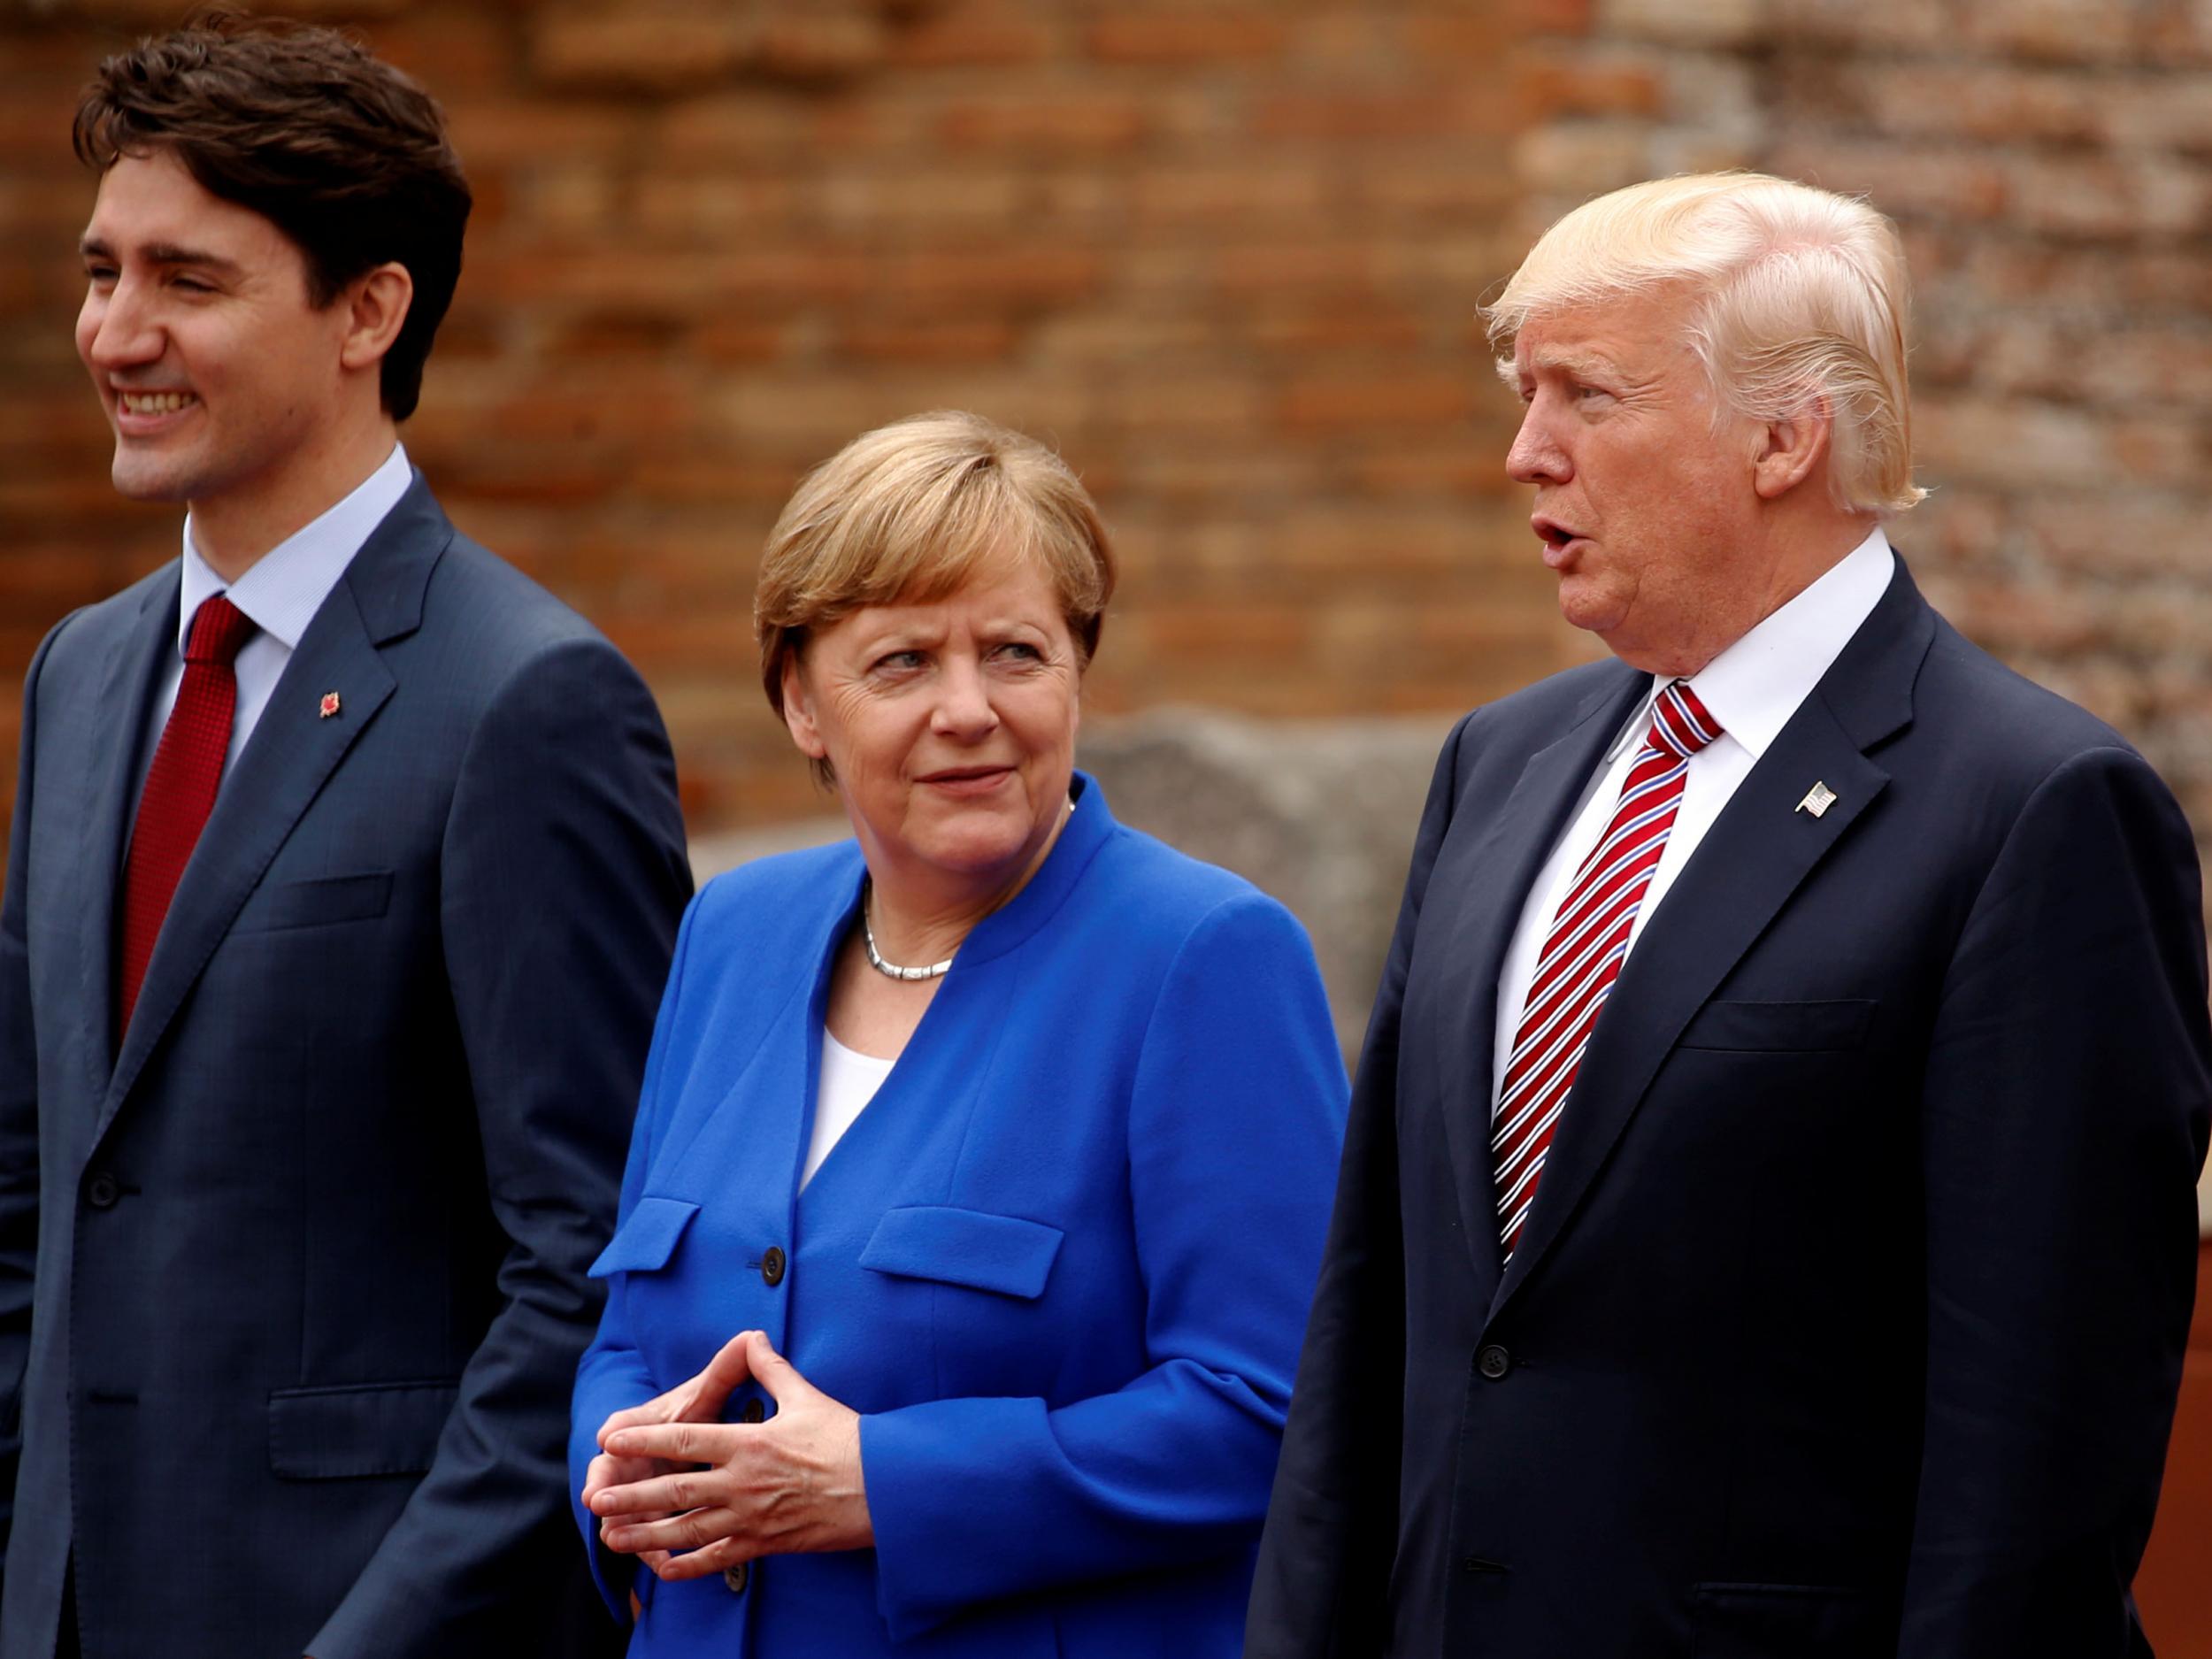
1583,953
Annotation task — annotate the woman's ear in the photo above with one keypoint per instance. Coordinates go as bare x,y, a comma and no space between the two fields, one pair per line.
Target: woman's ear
798,710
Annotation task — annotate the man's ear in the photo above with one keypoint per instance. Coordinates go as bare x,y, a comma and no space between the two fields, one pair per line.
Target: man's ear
798,710
376,305
1792,450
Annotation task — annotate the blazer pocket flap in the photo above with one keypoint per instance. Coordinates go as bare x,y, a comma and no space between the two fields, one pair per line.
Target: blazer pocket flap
964,1247
646,1239
1781,1621
1755,1028
329,899
374,1429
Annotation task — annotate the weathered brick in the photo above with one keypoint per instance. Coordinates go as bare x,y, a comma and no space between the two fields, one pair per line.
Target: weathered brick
1068,119
1169,38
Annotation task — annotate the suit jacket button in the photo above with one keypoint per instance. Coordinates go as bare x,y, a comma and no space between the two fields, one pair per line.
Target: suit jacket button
103,1190
753,1412
736,1576
772,1266
1493,1361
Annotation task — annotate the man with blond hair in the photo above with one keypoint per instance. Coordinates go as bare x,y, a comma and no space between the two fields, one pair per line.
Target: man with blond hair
1766,1223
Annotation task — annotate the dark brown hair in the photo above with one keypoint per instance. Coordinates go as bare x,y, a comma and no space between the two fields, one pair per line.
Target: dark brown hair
344,155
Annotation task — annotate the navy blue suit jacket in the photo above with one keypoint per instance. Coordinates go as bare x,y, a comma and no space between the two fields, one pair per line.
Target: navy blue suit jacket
293,1284
1060,1263
1849,1317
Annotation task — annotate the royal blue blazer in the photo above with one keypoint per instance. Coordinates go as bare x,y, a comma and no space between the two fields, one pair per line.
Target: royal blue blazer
1060,1264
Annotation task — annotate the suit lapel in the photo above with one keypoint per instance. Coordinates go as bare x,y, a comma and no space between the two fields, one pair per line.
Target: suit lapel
133,674
1500,867
1759,851
293,752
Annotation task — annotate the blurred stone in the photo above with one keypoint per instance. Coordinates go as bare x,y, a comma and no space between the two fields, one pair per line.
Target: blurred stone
1318,814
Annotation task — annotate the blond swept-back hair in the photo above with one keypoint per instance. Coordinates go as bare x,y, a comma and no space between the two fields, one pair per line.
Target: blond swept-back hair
1799,298
909,514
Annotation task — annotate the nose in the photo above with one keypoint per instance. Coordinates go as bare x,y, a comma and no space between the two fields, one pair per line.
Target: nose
115,329
1536,457
964,710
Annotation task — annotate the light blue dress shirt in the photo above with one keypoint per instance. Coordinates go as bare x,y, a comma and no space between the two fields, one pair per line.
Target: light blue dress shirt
281,593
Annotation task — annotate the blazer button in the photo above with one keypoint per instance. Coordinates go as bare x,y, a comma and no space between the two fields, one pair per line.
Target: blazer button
103,1190
772,1266
736,1576
1493,1361
753,1412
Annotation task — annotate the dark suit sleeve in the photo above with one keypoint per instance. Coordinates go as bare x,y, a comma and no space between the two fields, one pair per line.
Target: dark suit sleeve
2063,1123
563,877
19,1113
1322,1587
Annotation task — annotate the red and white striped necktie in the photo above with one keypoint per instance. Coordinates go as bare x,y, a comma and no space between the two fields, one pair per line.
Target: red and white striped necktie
1583,953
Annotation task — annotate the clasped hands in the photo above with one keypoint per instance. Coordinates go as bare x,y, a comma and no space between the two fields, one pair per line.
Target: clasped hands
689,1495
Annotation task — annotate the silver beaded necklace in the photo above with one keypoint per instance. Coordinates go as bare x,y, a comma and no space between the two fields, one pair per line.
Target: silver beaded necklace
892,969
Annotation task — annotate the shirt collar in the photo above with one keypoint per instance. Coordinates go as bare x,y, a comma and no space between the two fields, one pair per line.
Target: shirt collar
1755,686
284,589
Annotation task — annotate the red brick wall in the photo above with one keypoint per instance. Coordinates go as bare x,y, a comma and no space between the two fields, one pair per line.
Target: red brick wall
1227,256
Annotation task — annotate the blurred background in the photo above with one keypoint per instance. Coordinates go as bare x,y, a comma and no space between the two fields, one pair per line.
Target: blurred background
1226,255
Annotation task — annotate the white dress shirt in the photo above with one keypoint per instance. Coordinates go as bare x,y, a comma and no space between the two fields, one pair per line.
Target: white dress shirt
1752,688
281,593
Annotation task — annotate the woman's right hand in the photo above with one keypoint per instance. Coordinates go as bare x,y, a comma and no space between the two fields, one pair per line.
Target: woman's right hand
698,1400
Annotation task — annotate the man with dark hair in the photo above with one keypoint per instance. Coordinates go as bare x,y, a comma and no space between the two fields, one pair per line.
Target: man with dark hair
345,873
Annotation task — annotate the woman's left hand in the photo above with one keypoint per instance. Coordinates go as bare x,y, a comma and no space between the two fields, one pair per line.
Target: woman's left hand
791,1483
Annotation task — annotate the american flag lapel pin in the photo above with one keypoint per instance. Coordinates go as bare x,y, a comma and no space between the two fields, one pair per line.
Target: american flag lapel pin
1817,799
330,704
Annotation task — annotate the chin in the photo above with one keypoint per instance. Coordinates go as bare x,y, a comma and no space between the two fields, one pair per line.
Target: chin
138,479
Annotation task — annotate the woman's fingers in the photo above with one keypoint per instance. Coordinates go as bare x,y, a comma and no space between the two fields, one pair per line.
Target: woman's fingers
692,1530
677,1442
688,1489
698,1563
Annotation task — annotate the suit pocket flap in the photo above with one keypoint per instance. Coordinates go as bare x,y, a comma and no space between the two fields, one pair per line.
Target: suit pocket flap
646,1239
964,1247
375,1429
1782,1621
1800,1027
312,903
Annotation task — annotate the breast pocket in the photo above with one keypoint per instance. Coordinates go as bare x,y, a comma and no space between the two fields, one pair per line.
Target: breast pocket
1827,1027
317,903
1004,1254
647,1238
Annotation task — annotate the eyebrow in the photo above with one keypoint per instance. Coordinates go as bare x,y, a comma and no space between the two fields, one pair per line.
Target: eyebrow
164,253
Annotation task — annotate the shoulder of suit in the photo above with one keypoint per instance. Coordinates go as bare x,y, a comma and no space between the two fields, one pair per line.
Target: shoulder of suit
1149,898
515,608
84,636
1554,702
2001,718
782,892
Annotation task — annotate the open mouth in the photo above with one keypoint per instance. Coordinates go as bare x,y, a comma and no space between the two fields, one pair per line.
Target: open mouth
154,402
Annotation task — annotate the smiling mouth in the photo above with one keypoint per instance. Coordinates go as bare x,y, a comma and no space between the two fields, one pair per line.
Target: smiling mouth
967,774
154,402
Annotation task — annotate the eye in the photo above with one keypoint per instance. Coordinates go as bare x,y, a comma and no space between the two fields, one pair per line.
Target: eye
191,285
897,661
1020,651
98,272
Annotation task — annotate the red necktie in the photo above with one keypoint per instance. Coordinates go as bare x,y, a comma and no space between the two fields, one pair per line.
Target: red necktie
181,785
1584,951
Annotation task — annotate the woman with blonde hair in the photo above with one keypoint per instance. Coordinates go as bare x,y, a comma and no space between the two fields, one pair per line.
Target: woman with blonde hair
980,1175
